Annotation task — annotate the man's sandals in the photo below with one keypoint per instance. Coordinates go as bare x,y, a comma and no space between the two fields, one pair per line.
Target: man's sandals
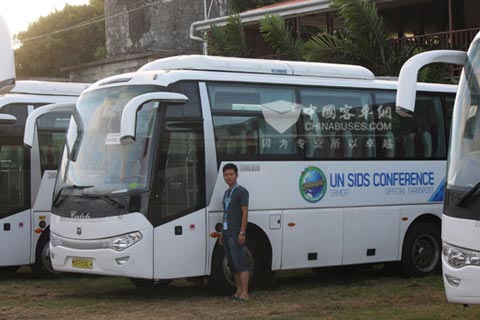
238,298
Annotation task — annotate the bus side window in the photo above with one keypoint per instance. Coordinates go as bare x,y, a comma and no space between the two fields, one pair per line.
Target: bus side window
190,109
338,123
14,163
255,122
415,138
430,135
448,114
51,130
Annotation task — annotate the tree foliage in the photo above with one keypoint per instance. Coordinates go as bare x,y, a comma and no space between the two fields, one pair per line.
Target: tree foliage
280,36
73,35
362,41
230,40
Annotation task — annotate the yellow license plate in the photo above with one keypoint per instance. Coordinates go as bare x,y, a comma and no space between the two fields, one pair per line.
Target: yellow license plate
82,263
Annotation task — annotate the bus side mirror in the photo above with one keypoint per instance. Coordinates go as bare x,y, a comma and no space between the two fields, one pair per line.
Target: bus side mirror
7,118
407,79
129,115
32,119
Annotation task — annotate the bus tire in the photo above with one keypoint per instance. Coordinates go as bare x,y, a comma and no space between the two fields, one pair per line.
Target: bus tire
221,280
268,279
421,250
150,284
43,263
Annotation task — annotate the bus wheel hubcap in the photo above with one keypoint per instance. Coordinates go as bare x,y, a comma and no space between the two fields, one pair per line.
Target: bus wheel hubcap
425,253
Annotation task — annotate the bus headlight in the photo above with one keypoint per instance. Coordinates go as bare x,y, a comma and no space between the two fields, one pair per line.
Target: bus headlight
458,257
122,242
55,240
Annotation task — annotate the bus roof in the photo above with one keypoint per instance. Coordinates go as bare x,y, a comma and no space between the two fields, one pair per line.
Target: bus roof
49,88
200,68
228,64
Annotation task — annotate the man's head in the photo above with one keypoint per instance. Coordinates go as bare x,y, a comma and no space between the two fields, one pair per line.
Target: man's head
230,174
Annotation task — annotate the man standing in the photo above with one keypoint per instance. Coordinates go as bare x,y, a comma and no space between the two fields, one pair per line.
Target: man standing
235,219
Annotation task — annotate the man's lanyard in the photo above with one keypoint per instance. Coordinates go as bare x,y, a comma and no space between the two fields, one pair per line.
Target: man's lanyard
229,198
227,201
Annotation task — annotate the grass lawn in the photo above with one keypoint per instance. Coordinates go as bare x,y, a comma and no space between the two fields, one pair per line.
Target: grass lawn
364,293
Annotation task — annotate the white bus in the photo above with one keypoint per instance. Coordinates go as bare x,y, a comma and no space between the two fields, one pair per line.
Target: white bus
461,216
27,177
335,176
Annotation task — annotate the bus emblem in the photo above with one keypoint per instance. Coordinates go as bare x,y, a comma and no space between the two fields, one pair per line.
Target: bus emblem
312,184
79,231
75,215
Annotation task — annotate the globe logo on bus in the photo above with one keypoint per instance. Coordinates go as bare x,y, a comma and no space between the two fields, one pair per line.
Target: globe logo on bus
313,184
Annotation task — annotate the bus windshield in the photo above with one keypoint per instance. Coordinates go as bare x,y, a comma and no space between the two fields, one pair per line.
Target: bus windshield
464,168
102,163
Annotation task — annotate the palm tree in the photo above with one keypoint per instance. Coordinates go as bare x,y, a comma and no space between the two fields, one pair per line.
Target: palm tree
363,40
280,37
230,40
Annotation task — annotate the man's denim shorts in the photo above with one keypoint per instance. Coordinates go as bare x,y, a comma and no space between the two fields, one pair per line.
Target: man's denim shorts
234,252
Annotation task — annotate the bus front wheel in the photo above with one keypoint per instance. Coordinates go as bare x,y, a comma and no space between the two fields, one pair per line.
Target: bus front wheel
221,279
421,250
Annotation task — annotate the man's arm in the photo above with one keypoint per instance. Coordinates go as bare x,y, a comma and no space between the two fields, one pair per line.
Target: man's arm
243,228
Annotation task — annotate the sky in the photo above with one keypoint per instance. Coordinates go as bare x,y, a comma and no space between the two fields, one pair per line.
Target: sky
18,14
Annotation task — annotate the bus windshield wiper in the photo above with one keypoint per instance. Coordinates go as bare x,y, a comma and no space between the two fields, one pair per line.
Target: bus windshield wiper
117,204
65,187
467,195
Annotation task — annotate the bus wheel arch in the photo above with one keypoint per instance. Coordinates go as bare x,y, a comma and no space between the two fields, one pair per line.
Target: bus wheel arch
259,253
421,248
43,264
264,277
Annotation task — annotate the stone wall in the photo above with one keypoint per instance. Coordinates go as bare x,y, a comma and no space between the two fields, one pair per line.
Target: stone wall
160,26
139,31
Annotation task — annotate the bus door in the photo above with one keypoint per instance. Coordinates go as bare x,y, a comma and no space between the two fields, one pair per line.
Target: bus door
179,201
45,134
177,207
15,215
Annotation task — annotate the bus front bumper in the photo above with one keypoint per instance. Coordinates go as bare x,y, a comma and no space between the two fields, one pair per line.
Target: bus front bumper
95,256
461,285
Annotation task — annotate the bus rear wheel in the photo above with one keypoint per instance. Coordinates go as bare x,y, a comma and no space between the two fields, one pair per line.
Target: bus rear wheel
421,250
221,279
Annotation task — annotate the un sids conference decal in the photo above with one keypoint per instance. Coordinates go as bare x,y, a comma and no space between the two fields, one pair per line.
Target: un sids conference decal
313,184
